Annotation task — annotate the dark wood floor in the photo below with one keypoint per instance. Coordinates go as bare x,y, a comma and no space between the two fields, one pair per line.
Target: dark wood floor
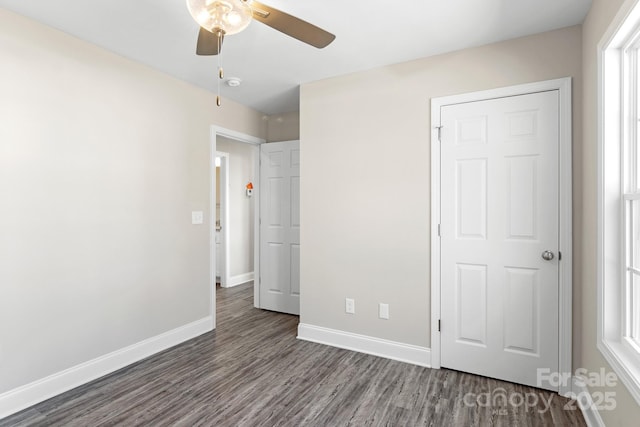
252,371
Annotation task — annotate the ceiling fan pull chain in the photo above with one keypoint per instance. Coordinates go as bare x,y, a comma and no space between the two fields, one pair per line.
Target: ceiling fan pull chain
218,101
220,70
220,77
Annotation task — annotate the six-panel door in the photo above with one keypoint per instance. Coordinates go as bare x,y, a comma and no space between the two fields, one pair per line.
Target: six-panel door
280,227
499,210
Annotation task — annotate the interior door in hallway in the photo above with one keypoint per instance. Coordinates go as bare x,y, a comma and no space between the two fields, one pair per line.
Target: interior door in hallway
280,227
500,236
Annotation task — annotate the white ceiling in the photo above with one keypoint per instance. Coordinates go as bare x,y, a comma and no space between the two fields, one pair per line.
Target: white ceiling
162,34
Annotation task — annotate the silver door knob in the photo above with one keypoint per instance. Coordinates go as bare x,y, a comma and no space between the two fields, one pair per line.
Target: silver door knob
547,255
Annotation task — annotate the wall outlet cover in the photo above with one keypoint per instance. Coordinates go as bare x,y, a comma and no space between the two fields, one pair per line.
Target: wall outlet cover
350,306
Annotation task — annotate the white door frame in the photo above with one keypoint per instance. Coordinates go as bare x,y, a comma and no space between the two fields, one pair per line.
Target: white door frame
224,218
241,137
563,85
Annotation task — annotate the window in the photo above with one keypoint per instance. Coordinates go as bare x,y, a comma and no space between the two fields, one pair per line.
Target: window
619,200
631,196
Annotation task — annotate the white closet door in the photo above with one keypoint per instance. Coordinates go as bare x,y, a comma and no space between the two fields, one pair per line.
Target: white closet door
280,227
500,210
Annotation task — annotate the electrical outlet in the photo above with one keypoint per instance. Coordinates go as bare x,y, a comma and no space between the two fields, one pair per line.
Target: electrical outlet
350,306
383,311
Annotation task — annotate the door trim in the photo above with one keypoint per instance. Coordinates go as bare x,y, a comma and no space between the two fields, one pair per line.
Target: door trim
565,306
216,131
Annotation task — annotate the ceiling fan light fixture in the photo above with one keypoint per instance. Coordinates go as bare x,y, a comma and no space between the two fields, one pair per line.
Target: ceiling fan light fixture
229,16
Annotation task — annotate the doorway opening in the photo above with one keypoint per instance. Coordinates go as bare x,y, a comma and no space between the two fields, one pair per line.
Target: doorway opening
237,211
234,213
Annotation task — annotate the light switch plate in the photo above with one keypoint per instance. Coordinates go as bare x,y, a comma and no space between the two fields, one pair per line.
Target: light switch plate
197,217
383,311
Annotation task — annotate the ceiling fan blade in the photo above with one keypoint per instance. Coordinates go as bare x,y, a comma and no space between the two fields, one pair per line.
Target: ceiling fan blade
291,26
208,43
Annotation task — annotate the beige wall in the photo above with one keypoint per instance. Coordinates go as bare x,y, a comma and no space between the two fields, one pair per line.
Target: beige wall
102,161
283,127
602,13
241,207
365,146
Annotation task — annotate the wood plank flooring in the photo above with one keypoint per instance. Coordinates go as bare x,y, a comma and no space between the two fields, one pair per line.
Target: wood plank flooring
252,371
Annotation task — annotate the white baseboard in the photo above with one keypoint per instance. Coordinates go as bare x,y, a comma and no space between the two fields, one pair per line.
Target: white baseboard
586,404
239,279
38,391
420,356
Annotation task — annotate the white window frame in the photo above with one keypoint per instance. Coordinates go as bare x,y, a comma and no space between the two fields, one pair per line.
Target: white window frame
617,120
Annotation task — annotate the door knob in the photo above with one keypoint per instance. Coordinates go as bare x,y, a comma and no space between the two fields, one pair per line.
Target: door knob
547,255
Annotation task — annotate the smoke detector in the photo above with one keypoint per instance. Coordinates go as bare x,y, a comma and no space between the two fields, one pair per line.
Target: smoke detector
233,82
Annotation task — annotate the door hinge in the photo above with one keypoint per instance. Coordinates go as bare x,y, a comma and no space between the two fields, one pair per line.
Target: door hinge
439,133
559,256
439,235
439,325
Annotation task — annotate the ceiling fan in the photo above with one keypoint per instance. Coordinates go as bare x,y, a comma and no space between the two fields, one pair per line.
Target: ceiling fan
219,18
